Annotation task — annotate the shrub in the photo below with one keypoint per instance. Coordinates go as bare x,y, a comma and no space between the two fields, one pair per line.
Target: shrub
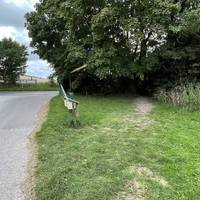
186,96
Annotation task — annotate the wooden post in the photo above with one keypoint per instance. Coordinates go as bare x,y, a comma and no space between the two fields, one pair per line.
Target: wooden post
72,106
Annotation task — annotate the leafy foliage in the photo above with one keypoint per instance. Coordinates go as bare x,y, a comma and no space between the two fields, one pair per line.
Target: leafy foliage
180,56
117,39
13,57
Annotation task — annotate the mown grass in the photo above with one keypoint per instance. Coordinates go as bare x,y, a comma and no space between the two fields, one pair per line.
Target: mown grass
94,161
29,87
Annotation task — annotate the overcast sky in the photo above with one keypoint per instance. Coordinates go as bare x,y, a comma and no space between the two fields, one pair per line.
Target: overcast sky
12,25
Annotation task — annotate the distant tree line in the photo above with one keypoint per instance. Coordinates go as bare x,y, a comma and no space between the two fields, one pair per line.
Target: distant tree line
124,43
13,57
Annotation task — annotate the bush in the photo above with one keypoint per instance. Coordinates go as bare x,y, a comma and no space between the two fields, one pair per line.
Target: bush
186,96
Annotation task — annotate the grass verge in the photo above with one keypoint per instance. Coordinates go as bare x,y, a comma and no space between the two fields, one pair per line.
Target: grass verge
29,87
108,155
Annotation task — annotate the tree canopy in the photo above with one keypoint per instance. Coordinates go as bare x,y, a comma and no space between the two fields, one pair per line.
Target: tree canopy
13,57
117,38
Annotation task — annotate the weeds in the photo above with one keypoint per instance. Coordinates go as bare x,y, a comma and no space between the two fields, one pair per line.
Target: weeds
186,96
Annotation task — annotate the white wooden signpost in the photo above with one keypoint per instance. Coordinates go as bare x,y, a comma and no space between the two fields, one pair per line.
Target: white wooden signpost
71,104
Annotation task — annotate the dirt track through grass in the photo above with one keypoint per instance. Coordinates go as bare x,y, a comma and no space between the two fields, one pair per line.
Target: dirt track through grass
141,117
144,105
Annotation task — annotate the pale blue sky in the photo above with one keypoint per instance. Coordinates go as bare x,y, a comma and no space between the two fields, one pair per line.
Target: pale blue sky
12,25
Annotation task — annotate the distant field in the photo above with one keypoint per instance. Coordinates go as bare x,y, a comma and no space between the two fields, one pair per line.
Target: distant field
29,87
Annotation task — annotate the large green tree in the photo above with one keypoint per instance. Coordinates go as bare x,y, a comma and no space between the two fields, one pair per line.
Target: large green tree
179,57
112,37
115,38
13,57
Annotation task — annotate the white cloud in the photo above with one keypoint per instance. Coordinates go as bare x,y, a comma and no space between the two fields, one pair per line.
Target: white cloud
22,3
12,26
7,32
11,32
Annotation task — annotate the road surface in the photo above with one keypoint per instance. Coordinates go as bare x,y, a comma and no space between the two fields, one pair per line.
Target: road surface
18,114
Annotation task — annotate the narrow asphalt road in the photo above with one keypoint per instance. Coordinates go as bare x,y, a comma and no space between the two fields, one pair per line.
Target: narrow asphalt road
18,114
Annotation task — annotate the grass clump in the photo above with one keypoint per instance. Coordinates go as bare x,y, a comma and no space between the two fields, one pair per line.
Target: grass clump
186,96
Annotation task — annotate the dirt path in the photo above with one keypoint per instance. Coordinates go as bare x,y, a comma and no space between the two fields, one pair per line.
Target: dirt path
143,105
141,118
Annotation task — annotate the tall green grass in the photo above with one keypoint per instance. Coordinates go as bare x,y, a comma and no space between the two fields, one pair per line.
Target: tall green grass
186,96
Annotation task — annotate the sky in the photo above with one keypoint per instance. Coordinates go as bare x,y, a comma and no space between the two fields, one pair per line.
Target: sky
12,25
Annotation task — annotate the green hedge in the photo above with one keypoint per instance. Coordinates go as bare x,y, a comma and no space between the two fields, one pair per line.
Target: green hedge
29,87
